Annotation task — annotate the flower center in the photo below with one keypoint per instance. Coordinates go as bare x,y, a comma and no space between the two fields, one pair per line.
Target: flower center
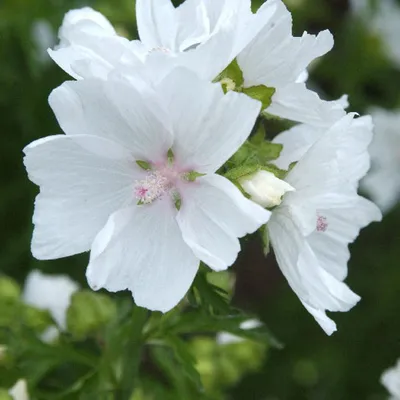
152,187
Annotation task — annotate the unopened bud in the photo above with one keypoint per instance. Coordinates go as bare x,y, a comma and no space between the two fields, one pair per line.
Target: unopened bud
265,188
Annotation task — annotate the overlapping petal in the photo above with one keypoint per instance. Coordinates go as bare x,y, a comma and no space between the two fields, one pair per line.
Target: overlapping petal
141,249
213,215
82,179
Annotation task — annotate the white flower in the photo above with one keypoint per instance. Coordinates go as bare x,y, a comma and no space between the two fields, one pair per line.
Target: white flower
204,36
224,338
19,391
299,139
265,188
391,380
311,229
278,60
52,293
94,196
89,45
383,20
383,180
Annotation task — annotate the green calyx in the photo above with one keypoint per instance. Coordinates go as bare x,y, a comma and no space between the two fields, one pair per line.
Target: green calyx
192,176
144,165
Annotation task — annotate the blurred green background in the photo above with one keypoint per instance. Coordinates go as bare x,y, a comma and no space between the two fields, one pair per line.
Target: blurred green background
312,365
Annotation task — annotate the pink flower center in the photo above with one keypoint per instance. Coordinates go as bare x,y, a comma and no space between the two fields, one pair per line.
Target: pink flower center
161,180
322,223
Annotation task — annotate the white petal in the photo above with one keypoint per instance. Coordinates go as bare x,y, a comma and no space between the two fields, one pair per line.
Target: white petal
323,320
296,141
213,215
157,24
50,292
114,110
391,380
141,249
89,46
343,227
208,126
345,144
96,23
19,391
312,283
297,103
82,180
275,58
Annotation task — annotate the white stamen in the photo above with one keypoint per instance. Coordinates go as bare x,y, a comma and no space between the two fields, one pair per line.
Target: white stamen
151,188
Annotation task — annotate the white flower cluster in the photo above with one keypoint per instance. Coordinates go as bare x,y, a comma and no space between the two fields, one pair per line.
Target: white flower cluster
148,126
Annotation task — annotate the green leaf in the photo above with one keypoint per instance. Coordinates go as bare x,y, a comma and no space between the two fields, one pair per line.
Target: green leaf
182,352
261,93
232,72
279,173
4,395
269,151
131,349
259,137
9,289
144,165
88,313
209,297
236,173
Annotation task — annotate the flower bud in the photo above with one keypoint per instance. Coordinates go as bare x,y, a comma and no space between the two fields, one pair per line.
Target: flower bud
265,188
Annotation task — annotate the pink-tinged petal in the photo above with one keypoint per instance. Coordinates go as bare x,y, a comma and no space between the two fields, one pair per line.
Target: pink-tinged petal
141,249
213,215
82,179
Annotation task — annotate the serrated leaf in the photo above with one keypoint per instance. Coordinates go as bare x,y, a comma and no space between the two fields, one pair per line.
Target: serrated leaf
261,93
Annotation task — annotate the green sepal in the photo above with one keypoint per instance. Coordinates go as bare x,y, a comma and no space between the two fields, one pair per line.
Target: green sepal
261,93
144,165
292,165
192,176
232,72
88,313
170,156
265,240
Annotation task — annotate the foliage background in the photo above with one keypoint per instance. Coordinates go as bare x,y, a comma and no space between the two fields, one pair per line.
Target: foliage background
311,366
